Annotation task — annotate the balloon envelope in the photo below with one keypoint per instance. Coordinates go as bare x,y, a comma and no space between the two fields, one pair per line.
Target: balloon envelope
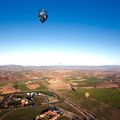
43,15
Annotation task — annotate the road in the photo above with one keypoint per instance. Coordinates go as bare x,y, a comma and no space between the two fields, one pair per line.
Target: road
84,114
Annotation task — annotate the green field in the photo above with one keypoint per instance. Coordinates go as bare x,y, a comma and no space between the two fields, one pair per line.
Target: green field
86,82
3,112
92,81
23,87
42,86
108,96
3,84
63,118
24,114
103,103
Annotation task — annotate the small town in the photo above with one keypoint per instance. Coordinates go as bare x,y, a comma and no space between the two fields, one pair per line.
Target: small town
30,100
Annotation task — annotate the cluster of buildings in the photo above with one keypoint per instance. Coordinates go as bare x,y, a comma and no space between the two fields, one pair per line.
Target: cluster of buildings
52,100
51,114
19,100
15,101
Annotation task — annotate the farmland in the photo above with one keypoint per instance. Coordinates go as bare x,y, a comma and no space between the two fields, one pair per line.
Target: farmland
23,114
24,94
101,102
109,96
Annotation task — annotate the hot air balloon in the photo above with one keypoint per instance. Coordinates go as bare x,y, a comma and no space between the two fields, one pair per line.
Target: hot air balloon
43,15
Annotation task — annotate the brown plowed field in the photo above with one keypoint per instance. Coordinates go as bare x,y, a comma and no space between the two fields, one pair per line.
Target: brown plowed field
33,85
58,84
8,89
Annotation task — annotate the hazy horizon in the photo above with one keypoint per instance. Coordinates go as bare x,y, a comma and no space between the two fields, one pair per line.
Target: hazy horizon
60,65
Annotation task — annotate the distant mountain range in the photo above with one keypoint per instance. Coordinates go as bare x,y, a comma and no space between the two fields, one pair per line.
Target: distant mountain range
19,67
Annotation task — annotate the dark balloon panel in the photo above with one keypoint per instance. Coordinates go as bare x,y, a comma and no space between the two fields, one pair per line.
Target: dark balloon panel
43,15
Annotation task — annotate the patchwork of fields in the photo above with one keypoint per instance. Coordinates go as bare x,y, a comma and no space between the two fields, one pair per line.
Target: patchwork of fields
103,103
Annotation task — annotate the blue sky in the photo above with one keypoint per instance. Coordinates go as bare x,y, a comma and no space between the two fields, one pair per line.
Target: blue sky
77,32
